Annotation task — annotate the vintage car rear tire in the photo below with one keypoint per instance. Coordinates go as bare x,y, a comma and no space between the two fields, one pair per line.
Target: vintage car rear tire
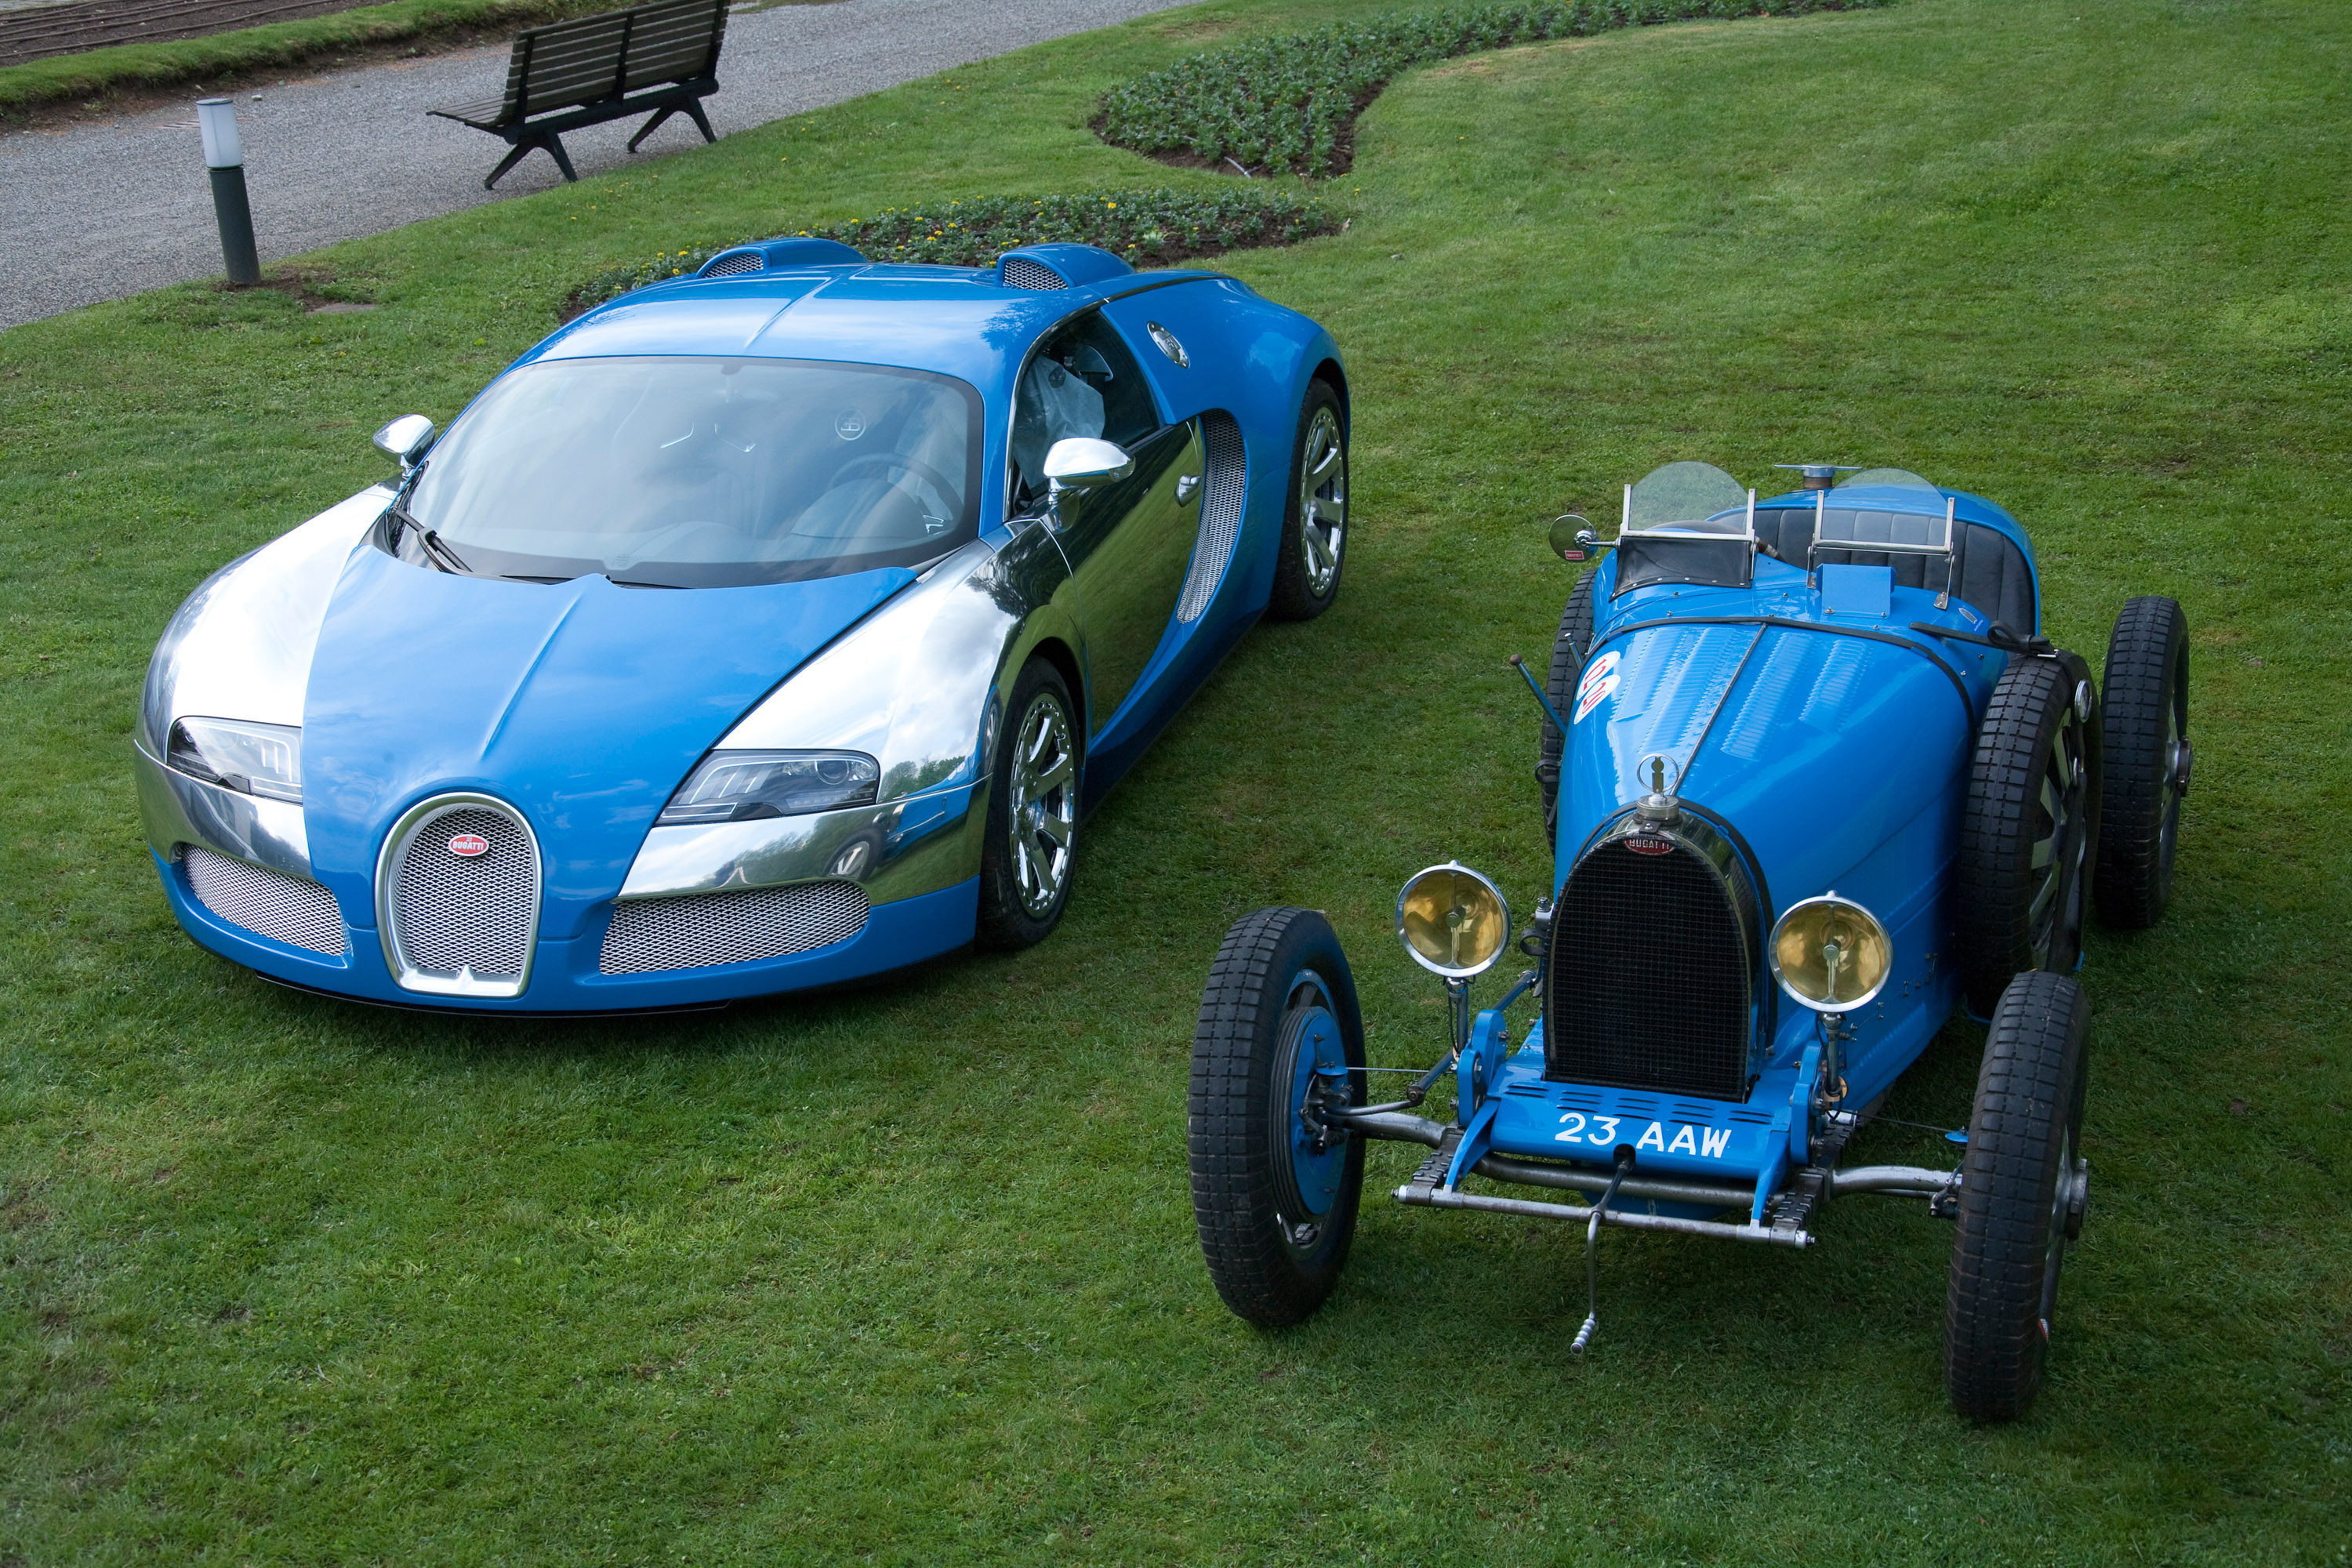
1273,1268
1568,652
2034,732
1011,916
1303,591
2023,1186
2144,716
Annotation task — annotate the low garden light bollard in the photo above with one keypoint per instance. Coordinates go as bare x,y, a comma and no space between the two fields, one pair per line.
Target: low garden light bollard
224,156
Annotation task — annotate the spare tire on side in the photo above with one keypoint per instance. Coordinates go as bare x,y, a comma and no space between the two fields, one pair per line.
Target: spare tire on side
2144,722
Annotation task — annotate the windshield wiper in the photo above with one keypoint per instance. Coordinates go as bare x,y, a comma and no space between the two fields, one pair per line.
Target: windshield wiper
439,553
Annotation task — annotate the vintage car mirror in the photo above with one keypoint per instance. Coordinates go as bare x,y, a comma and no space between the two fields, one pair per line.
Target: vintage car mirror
1573,538
406,439
1082,462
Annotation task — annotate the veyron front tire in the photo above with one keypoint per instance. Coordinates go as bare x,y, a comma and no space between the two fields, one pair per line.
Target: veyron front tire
1315,520
2027,827
2023,1187
1275,1193
1568,654
2143,718
1029,853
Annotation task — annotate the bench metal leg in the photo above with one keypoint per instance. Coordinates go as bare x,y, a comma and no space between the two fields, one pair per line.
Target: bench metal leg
522,148
555,146
694,107
650,126
515,154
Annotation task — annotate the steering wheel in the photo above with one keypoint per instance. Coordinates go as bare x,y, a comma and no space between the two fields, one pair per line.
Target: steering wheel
923,471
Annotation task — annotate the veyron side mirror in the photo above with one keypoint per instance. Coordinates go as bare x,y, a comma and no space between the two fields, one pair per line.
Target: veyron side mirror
1573,538
1081,462
406,439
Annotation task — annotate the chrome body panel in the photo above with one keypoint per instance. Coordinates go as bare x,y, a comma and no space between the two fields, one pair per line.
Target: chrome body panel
175,809
240,647
893,851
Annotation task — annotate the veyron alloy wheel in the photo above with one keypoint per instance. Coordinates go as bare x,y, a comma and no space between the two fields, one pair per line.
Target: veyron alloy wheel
1315,525
2029,828
2023,1189
1030,851
1275,1181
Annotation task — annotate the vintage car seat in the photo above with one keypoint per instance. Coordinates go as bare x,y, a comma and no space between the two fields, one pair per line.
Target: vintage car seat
1990,572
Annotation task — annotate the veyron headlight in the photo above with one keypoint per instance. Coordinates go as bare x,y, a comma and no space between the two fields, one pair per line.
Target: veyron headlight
740,786
1830,955
252,759
1453,920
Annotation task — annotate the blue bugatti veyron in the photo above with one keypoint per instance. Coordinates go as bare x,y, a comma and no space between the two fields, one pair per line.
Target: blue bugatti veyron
1815,783
754,631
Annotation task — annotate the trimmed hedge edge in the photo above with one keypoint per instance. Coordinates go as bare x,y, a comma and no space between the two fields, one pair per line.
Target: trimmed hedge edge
1148,228
1289,103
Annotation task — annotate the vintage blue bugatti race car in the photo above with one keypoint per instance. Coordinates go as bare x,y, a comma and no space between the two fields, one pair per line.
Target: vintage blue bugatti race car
754,631
1814,783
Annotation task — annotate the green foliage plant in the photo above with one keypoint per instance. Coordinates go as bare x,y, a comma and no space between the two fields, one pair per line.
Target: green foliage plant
1285,103
1146,227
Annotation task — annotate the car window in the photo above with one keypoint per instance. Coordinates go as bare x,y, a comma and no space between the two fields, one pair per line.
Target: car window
692,473
1083,382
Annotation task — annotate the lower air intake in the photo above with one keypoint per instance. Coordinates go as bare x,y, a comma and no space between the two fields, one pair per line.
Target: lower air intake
284,908
1651,972
699,930
1220,514
1020,272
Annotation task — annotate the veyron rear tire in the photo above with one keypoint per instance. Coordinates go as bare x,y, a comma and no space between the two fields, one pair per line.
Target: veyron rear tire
1568,653
2023,1186
1274,1202
1028,854
2143,718
1313,546
2027,827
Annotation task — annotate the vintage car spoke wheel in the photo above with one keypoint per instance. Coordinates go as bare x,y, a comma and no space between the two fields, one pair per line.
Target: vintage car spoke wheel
1568,650
2143,718
1029,850
2027,828
1275,1188
1315,526
2023,1189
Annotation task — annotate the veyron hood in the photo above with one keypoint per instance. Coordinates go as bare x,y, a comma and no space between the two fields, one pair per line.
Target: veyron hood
581,704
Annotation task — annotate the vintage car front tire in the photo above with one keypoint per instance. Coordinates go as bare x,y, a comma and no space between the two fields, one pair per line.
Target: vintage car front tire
2144,714
1314,548
1568,654
1280,991
2027,827
2023,1187
1029,852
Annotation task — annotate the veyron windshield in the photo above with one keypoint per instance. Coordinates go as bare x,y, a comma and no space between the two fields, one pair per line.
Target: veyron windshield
690,473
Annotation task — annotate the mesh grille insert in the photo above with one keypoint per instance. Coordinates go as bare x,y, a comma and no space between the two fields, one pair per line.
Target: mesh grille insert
1657,993
734,927
284,908
741,261
452,911
1220,514
1020,272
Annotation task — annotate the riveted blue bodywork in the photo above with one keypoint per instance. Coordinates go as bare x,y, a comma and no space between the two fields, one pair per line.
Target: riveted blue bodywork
1817,724
583,704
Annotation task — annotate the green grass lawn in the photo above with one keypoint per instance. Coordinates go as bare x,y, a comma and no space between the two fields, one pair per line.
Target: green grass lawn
906,1274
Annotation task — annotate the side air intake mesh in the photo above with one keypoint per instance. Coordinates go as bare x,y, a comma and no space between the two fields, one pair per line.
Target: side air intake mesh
1020,272
1220,514
736,927
284,908
1649,984
741,261
455,911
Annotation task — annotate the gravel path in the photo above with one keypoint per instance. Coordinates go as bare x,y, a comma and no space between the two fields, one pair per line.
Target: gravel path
99,212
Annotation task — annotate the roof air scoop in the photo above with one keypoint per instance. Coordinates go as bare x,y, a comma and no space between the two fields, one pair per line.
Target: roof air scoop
1058,267
777,255
1021,272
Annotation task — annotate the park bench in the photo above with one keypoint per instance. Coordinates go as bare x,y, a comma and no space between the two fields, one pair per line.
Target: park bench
663,56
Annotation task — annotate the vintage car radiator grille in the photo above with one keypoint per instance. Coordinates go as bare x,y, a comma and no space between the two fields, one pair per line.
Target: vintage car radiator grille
1650,975
734,927
454,912
284,908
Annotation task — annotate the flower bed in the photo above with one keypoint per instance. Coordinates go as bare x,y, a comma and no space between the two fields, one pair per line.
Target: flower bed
1146,227
1288,103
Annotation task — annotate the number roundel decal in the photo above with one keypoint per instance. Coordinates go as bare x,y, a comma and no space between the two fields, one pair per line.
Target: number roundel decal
1600,680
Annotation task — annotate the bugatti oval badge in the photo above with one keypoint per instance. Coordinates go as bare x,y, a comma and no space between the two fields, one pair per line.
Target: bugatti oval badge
468,845
1645,846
